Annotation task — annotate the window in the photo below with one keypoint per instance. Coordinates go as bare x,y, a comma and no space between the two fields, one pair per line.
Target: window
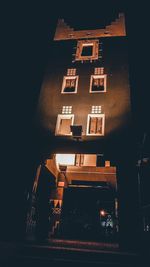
70,84
66,109
99,71
85,160
96,109
63,124
98,83
87,50
95,124
71,72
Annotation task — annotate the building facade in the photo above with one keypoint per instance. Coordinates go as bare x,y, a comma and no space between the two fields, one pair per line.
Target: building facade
84,108
87,83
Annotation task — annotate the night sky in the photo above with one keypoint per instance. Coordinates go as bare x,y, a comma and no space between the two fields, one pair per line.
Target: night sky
28,32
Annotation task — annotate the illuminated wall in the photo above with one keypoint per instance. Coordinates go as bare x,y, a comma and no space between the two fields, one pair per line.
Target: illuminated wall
114,103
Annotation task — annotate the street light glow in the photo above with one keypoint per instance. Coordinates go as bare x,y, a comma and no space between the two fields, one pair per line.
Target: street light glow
102,213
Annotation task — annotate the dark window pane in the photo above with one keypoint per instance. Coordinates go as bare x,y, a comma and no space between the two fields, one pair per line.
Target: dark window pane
70,85
69,89
98,84
87,50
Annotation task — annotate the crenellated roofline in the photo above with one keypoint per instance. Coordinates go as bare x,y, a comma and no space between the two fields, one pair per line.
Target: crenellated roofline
65,32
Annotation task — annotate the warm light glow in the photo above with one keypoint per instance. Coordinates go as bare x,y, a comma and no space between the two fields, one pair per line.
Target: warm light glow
107,163
61,184
65,159
102,213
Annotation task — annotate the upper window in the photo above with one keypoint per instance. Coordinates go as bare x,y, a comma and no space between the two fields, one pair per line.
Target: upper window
70,84
87,50
99,71
95,124
98,83
71,72
66,109
96,109
63,124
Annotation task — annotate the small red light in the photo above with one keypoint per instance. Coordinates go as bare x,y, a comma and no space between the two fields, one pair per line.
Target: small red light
102,213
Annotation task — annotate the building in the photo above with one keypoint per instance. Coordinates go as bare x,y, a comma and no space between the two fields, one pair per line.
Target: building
143,167
84,110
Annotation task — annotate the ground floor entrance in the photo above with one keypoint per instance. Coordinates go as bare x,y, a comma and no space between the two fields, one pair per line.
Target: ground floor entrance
88,213
81,203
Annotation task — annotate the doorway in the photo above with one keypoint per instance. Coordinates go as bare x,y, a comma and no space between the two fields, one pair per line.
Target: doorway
88,213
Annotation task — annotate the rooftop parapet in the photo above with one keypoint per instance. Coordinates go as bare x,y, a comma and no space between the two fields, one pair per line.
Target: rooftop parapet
65,32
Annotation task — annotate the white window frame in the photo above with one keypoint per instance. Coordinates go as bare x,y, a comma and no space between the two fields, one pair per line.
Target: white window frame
81,44
63,116
97,77
88,124
64,83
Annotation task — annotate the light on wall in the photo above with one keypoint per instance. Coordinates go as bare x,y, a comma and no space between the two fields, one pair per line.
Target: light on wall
63,170
65,159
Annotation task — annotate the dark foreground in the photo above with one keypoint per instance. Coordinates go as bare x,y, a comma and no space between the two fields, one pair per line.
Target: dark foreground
69,253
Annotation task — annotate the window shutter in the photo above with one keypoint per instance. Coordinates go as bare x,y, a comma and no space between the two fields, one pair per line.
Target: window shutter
99,125
65,126
92,125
